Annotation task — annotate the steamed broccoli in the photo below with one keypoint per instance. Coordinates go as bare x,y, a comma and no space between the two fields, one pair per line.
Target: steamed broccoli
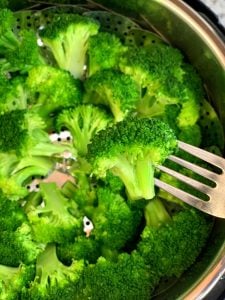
50,218
16,240
87,249
15,279
112,89
130,149
53,280
24,56
83,122
104,50
113,220
67,37
13,93
127,278
165,241
52,89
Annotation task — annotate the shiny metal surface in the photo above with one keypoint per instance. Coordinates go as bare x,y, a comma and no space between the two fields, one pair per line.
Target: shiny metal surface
212,206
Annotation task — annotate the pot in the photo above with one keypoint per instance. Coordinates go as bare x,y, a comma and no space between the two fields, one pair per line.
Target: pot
187,30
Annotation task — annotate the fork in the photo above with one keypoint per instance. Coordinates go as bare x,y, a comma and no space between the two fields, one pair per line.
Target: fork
215,206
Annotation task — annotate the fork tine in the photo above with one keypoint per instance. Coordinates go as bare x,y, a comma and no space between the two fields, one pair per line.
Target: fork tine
205,189
199,170
203,154
187,198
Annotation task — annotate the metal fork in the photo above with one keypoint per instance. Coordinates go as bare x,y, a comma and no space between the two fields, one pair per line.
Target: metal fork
215,206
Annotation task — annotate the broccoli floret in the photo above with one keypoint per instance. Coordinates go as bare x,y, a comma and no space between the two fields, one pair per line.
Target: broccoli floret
53,279
16,239
13,94
83,122
191,135
14,279
130,149
23,132
112,182
8,39
128,278
67,37
152,66
4,4
104,50
84,248
170,244
113,220
112,89
52,89
18,246
24,56
51,219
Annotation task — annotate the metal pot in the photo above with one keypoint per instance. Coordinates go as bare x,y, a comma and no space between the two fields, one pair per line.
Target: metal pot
188,31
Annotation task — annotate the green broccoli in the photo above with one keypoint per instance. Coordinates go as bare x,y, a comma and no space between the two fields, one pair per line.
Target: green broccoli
52,89
13,93
127,278
23,132
84,248
165,241
113,221
53,279
67,37
104,50
130,149
8,39
83,122
112,182
24,56
150,67
50,218
112,89
14,279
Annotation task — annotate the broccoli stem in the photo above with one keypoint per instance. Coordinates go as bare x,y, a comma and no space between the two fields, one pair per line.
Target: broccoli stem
7,272
155,213
54,200
138,177
47,264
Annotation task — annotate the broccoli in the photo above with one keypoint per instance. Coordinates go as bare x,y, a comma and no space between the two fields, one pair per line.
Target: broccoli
13,93
83,122
165,241
23,132
52,89
152,66
130,149
53,280
104,50
67,37
8,39
112,89
14,279
87,249
24,56
127,278
112,182
16,243
50,218
113,220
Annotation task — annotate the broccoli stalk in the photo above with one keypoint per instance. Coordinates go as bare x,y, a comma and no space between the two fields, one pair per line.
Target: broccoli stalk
53,278
67,37
14,279
130,149
50,218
